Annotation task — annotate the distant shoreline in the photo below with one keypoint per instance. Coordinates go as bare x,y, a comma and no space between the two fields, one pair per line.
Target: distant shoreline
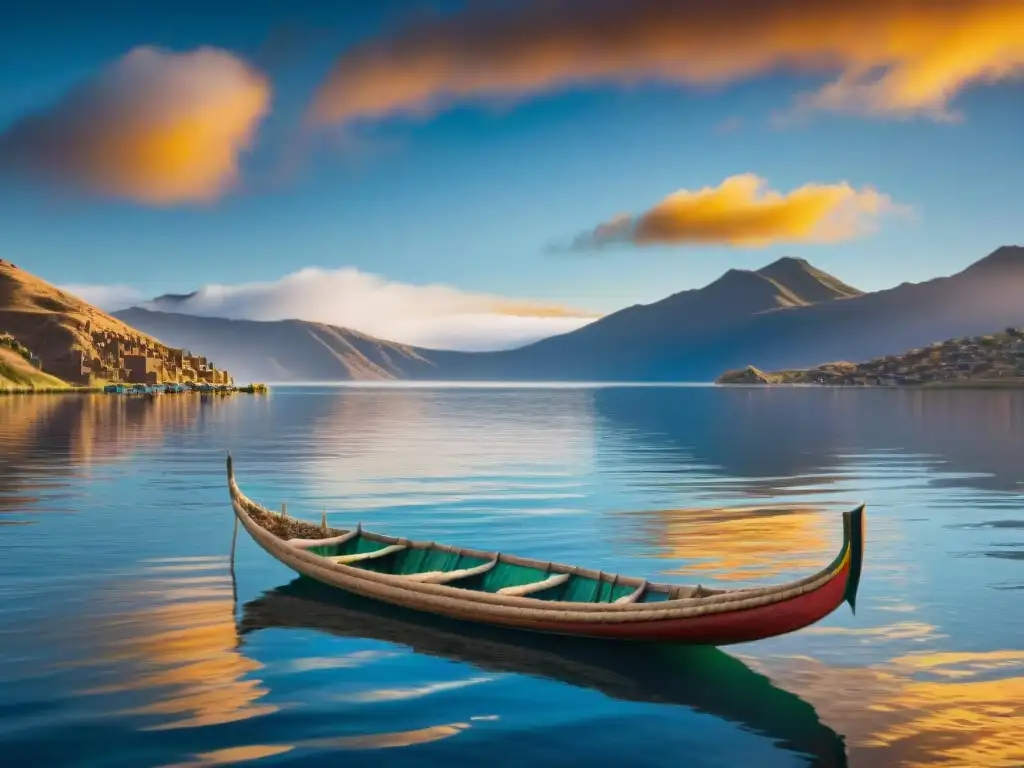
248,389
993,384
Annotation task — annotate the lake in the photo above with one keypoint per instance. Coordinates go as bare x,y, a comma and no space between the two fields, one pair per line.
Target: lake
129,637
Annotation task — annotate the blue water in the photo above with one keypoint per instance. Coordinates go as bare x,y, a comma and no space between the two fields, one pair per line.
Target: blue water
128,638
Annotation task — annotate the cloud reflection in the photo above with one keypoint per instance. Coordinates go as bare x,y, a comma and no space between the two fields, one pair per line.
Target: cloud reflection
180,650
75,432
918,709
745,544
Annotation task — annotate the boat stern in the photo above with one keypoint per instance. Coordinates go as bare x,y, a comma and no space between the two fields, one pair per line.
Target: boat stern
853,531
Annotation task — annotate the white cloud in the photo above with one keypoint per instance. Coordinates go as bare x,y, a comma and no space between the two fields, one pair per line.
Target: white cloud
434,316
107,297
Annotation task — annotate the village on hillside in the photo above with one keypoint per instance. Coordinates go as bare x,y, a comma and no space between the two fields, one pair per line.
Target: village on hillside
63,336
135,360
117,358
994,359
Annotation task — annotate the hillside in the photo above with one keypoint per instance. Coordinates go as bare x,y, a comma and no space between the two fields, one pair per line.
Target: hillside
787,315
738,321
643,342
291,350
807,281
18,373
993,360
80,344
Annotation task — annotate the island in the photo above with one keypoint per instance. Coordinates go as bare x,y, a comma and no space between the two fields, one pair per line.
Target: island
996,360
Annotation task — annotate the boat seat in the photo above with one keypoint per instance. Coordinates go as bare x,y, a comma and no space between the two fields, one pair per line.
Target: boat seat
691,592
444,577
633,596
359,557
536,586
307,543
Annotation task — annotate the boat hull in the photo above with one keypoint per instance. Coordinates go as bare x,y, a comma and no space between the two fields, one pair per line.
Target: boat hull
753,617
718,629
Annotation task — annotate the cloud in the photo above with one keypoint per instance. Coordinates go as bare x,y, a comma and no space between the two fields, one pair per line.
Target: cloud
435,316
742,211
154,126
106,297
885,57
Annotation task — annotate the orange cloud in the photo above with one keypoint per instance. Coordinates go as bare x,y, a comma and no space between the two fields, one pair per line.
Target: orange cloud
154,126
742,211
892,57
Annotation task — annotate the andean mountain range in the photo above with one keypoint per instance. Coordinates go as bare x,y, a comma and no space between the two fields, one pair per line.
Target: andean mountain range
786,315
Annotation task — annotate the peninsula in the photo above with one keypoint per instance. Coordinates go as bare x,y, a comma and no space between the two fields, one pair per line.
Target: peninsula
995,360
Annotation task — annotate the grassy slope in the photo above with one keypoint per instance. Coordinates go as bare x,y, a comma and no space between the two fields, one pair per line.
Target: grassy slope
49,321
17,373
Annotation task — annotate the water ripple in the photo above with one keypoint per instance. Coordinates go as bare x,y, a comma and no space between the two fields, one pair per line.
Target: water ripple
122,621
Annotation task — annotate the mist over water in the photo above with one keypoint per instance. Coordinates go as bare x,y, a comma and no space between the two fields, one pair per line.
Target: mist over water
128,637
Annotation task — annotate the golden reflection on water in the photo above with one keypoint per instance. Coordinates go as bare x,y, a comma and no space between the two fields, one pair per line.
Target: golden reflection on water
741,544
90,427
183,650
917,709
917,631
76,432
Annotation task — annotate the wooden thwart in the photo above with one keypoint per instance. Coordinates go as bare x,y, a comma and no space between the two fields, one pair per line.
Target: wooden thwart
445,577
536,586
307,543
361,556
633,596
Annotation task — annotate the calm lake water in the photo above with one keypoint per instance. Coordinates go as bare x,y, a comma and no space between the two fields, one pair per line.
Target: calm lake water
127,638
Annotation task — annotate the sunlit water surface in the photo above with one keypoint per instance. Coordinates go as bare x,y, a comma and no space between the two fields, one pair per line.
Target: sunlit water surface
128,639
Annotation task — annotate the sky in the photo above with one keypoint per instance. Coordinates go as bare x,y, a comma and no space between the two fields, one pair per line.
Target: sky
480,174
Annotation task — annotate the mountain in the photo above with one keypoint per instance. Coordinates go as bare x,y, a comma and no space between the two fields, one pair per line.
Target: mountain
809,283
296,350
986,295
291,350
169,301
80,344
648,342
786,315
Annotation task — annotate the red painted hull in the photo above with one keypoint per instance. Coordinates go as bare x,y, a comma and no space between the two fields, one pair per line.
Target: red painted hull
722,628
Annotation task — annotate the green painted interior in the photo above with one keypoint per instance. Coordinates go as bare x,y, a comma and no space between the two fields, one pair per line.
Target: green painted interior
650,596
426,560
508,575
580,589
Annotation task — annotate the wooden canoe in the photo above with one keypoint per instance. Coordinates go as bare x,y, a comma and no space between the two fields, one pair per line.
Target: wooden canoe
504,590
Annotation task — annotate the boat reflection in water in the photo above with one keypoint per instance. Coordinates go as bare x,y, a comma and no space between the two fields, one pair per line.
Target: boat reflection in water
704,679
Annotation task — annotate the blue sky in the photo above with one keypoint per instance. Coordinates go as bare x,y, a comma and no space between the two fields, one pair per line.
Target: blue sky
474,196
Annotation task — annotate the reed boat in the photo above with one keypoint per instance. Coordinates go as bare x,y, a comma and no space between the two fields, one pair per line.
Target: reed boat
504,590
